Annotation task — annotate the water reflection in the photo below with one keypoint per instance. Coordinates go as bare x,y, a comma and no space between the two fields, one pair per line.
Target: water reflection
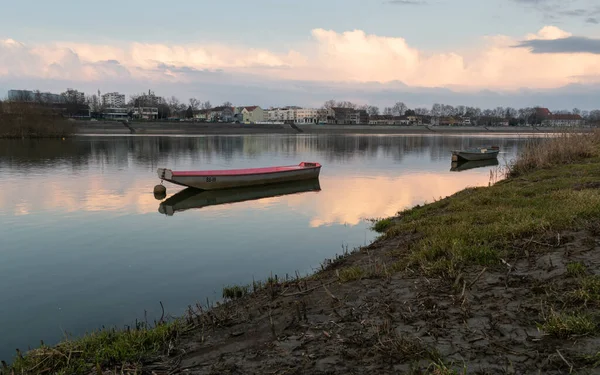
458,166
193,198
151,151
79,219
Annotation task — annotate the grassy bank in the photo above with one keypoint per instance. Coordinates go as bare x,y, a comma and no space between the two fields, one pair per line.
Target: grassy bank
502,279
19,120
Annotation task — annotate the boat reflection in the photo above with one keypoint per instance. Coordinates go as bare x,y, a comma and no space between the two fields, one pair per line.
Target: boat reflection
190,198
458,166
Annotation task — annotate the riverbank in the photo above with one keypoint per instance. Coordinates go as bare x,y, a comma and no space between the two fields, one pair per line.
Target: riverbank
190,128
34,124
499,279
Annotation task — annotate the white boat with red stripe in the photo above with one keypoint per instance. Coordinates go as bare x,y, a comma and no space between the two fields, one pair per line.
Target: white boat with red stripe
233,178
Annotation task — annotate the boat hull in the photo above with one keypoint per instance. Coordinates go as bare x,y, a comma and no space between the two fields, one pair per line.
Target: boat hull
217,180
475,155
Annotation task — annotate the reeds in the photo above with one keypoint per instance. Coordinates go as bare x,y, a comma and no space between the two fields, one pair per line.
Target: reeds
21,120
564,148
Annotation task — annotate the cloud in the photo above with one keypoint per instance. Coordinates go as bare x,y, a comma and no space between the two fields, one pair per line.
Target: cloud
593,20
556,9
351,61
568,45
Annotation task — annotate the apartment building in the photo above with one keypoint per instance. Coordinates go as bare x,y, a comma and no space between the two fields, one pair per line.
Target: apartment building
113,100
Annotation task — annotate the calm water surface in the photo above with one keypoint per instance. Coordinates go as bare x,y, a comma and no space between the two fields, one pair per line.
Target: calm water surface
84,244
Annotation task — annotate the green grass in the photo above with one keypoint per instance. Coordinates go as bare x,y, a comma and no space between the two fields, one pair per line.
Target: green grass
483,225
380,226
565,325
236,291
576,269
351,274
108,348
587,292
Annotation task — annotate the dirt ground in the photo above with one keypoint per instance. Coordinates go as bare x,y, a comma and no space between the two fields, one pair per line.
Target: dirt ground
483,322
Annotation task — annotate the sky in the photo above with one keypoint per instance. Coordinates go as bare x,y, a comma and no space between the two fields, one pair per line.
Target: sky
282,52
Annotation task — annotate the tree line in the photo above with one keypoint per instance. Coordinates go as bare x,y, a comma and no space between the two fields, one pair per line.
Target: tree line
173,107
519,115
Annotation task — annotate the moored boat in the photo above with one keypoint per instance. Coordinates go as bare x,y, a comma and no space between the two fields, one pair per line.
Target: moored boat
233,178
476,153
191,198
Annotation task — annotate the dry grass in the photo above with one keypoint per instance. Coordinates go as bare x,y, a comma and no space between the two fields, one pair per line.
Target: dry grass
564,148
26,121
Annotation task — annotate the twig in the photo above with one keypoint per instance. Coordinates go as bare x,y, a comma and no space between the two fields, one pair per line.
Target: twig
477,278
567,362
330,294
163,312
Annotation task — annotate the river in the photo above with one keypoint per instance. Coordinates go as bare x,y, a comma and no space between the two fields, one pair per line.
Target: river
84,244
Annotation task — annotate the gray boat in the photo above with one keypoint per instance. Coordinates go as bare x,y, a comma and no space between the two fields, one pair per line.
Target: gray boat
476,153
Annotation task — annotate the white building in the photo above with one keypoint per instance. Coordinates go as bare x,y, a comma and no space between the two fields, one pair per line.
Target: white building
117,113
113,100
281,114
147,113
307,116
293,114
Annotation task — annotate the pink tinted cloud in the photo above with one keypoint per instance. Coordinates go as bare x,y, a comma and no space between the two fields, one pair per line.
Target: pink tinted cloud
352,56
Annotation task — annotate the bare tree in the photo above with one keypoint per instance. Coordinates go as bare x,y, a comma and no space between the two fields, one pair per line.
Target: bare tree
94,102
399,109
174,105
194,104
436,109
373,110
388,111
499,112
346,104
322,114
206,105
511,113
73,97
594,115
447,110
473,112
227,104
329,104
576,111
422,111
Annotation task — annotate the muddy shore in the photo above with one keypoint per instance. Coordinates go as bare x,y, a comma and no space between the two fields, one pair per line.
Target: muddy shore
186,128
502,279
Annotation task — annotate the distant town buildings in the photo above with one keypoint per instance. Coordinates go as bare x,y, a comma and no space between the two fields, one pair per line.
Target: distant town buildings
347,116
74,96
114,100
148,106
250,114
559,120
145,113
